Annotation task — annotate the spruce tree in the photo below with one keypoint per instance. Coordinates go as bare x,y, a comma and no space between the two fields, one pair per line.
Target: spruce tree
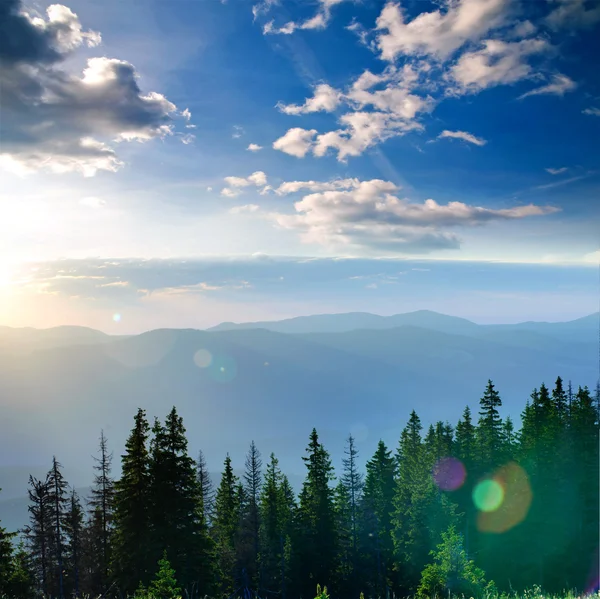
132,519
377,507
207,491
318,540
74,525
225,525
176,522
251,524
103,499
38,532
58,501
489,432
6,560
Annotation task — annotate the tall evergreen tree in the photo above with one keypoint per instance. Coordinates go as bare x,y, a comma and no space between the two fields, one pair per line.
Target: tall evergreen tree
103,499
251,520
176,522
489,432
58,501
352,479
130,562
207,491
318,543
225,525
38,532
74,524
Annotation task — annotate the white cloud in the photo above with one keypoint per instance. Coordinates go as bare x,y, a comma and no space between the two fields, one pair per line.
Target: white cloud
469,137
496,63
248,208
186,114
209,189
254,148
561,84
188,139
319,21
288,187
257,179
238,131
592,111
574,14
228,192
324,99
92,202
557,171
60,122
296,142
437,33
372,215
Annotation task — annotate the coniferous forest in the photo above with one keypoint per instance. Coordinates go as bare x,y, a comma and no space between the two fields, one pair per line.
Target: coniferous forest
469,509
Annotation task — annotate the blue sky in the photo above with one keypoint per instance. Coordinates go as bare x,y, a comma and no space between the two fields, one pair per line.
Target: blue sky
205,130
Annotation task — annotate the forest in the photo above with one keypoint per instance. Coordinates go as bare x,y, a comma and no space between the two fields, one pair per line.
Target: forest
471,509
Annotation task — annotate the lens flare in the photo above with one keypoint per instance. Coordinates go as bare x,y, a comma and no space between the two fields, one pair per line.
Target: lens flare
515,500
202,358
117,317
449,474
488,495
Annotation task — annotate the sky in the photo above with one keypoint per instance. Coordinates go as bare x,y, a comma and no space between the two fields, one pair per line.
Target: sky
185,163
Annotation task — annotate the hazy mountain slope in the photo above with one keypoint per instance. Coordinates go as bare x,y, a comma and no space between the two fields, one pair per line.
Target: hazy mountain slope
338,323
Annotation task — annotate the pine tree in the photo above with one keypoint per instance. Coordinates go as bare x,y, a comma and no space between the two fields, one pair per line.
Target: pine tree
490,428
132,519
317,516
252,480
38,532
377,508
164,585
207,491
176,522
58,501
271,526
352,479
103,499
74,542
225,525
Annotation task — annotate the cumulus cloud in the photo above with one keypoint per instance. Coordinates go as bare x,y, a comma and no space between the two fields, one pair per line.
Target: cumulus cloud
573,14
324,99
371,214
496,63
394,111
437,33
468,137
60,121
254,148
296,142
557,171
234,184
560,85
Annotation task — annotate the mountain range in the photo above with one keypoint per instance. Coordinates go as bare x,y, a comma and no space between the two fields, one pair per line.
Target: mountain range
270,382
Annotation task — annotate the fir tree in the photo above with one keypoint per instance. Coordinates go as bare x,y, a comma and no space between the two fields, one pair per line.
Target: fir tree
58,501
317,515
132,519
252,482
74,541
103,499
207,491
490,428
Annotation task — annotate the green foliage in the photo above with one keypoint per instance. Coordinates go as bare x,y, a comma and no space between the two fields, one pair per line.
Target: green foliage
322,594
452,571
164,585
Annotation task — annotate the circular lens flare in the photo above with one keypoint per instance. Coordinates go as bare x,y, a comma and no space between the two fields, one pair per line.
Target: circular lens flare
488,495
449,474
116,317
202,358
